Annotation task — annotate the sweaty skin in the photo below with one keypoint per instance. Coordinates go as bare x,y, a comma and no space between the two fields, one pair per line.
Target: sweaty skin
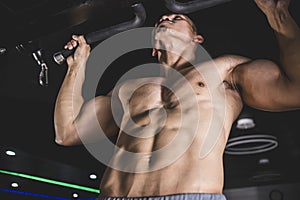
258,83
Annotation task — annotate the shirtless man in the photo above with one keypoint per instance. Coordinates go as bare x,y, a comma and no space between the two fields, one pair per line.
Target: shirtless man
258,83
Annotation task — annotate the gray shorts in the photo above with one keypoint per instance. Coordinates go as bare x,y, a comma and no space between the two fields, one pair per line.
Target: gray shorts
191,196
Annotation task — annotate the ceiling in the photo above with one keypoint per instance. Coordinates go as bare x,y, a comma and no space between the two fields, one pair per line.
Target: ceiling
236,27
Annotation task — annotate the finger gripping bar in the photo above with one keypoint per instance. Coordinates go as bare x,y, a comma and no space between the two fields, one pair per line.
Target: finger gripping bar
140,17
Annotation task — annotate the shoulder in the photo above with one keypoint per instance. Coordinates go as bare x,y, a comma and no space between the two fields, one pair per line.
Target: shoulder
238,66
257,68
231,61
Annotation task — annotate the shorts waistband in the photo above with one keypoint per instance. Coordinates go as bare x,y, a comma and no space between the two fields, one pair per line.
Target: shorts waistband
191,196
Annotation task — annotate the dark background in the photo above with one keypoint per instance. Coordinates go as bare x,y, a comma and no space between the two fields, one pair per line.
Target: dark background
237,27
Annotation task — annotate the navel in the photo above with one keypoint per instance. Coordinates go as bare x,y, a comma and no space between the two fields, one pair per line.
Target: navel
201,84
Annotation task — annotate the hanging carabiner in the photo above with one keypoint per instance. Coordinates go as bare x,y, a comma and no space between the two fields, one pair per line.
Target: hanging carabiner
43,76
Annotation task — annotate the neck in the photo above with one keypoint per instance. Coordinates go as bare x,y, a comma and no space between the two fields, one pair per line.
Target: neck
170,60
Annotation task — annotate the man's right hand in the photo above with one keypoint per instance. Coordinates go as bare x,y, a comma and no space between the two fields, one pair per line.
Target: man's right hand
81,53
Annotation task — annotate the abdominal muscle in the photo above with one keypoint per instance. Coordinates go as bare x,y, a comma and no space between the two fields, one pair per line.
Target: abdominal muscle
187,173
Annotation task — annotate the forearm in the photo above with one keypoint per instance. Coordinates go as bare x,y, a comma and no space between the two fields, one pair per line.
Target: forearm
69,101
288,35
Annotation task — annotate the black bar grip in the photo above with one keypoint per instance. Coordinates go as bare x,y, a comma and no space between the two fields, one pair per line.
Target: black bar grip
60,56
140,17
192,6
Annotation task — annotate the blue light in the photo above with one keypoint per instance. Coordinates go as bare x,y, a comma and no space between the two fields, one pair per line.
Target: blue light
40,195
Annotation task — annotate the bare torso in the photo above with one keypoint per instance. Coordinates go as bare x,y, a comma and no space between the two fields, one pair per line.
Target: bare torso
197,168
178,138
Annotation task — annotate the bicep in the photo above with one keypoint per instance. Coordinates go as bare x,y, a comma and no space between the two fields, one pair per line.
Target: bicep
96,120
263,85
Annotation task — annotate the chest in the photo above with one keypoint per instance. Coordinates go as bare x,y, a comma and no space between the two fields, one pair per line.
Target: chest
158,99
143,95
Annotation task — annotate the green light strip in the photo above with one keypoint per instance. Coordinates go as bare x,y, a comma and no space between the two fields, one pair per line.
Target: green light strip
50,181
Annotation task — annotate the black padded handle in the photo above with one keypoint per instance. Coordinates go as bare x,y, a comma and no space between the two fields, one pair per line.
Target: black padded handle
192,6
140,17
